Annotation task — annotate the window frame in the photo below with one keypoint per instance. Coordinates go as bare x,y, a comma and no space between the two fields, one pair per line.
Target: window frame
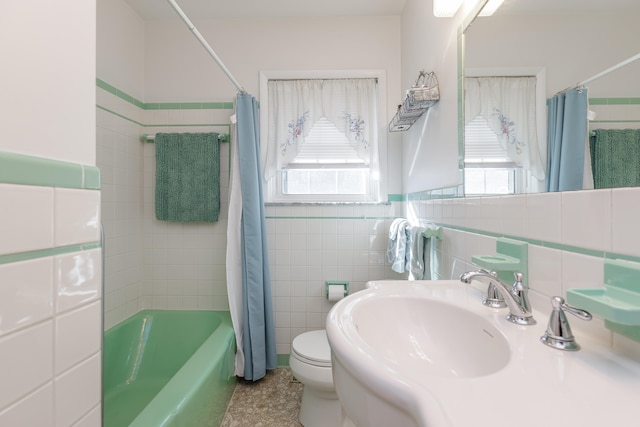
376,193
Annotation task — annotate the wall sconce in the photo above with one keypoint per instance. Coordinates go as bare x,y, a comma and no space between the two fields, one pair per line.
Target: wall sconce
446,8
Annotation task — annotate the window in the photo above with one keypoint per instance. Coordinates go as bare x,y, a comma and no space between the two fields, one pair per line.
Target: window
320,141
504,132
488,169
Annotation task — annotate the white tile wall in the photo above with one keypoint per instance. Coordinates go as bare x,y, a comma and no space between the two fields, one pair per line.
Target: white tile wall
77,216
25,293
78,391
601,221
149,263
309,245
120,159
40,344
26,360
26,218
35,409
78,278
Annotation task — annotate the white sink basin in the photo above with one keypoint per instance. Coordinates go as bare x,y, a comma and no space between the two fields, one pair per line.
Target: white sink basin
429,354
428,337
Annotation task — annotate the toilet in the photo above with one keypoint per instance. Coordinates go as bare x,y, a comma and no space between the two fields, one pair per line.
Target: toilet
310,363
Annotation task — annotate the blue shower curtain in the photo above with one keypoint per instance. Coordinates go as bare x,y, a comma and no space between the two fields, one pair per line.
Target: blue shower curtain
567,140
258,337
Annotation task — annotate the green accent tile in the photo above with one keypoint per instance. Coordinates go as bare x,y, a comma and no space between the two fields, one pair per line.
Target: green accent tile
283,360
163,105
44,253
396,197
618,101
598,101
169,106
106,86
217,105
27,170
92,177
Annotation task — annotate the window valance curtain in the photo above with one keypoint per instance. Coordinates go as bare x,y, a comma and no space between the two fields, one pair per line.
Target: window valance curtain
296,105
508,104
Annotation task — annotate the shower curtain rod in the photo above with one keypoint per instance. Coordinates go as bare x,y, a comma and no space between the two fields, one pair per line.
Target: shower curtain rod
609,70
204,43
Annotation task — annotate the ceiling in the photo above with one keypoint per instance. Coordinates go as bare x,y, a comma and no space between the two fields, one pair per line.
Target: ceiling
236,9
240,9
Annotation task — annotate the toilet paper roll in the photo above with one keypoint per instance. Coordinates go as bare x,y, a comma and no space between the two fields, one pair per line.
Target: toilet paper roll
336,292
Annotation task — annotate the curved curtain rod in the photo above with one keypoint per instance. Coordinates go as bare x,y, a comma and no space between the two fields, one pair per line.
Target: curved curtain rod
204,43
609,70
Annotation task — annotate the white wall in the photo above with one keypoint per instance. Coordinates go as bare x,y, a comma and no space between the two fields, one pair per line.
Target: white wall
50,285
572,47
48,75
179,69
120,47
430,146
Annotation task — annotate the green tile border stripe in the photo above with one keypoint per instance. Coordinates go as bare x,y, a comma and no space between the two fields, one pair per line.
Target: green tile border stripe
163,105
355,217
545,244
614,101
22,169
283,360
44,253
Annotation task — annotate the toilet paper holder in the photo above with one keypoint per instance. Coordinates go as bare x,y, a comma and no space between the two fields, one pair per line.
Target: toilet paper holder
345,285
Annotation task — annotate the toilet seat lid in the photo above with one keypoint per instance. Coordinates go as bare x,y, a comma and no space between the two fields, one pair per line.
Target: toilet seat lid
314,347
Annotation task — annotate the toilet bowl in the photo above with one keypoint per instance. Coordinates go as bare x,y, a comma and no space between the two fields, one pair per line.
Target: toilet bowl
310,363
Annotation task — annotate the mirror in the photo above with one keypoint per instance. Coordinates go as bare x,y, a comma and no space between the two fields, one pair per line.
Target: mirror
562,43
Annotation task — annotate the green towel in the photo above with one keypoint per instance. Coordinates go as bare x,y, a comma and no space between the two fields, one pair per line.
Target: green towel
187,177
615,158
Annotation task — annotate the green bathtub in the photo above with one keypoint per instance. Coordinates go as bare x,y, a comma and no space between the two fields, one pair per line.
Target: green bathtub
169,368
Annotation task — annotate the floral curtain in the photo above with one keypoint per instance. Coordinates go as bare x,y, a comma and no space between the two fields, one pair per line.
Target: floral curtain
508,104
296,105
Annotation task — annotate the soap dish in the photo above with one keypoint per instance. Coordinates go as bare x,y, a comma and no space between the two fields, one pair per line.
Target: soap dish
497,262
619,300
611,303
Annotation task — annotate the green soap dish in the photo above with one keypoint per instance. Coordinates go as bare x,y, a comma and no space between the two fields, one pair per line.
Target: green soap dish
497,262
619,300
611,303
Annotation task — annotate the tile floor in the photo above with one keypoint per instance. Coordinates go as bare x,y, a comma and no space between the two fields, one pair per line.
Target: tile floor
274,401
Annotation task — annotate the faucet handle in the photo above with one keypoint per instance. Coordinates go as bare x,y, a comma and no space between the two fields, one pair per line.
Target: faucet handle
558,334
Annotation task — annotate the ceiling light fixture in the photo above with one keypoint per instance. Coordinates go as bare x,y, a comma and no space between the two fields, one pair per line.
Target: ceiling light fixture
446,8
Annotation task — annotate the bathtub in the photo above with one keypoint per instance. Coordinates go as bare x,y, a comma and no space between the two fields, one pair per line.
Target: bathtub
169,368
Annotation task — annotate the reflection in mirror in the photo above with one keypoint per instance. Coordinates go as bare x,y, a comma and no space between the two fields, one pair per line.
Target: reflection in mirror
554,46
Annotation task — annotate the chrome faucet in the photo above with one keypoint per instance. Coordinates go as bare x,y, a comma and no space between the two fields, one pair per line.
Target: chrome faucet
558,334
514,295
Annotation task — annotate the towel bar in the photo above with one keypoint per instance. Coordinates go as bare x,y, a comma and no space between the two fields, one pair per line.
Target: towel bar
223,137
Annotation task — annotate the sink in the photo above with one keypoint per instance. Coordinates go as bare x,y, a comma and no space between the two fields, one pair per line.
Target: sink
429,354
428,337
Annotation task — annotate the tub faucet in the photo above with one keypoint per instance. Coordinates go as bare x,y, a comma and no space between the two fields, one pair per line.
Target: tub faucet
514,295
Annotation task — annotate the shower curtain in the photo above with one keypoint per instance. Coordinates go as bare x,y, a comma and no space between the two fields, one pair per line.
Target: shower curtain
568,164
248,282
